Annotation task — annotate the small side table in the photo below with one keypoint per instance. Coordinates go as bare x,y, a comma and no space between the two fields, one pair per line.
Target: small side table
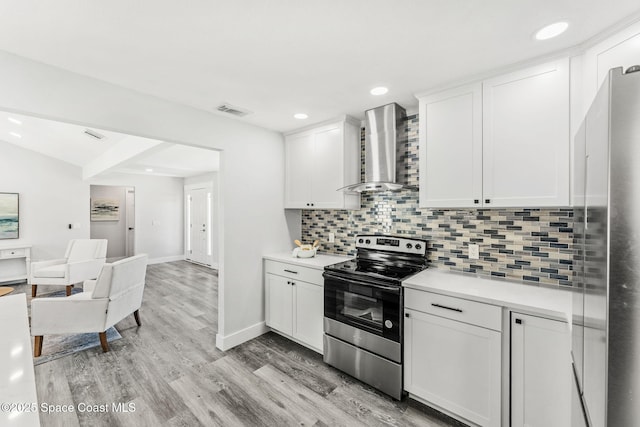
14,262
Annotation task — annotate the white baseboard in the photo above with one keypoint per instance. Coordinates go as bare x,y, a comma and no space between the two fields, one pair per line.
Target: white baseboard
224,343
213,266
166,259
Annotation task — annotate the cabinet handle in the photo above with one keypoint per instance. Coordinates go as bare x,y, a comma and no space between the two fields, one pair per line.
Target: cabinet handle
519,321
288,282
476,201
487,200
293,283
290,271
407,315
446,308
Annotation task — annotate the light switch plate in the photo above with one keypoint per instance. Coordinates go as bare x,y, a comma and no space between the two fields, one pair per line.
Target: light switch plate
474,252
332,237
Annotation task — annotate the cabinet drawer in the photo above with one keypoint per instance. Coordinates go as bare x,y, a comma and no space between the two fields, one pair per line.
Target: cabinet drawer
474,313
293,271
13,253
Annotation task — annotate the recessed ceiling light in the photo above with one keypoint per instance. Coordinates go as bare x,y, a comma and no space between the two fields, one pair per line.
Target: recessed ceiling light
16,134
148,170
16,121
300,116
552,30
380,90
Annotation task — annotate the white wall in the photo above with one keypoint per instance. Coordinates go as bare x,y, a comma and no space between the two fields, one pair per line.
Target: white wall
159,214
210,179
52,196
252,203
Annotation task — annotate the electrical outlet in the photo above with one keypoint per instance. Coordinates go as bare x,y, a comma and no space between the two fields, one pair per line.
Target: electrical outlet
332,237
474,252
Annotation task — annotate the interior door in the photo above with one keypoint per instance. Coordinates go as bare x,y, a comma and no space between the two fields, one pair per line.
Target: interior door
199,213
130,222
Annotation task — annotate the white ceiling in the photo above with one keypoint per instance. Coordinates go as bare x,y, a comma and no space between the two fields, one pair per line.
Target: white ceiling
68,142
176,160
277,58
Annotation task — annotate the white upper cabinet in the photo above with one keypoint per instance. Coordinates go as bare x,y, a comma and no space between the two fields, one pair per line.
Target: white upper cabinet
502,142
619,50
525,136
319,161
299,163
451,149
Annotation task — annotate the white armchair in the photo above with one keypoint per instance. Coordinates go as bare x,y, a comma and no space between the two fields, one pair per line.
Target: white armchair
82,261
116,294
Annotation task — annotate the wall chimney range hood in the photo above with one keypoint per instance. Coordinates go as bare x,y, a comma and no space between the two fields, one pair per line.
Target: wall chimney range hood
385,150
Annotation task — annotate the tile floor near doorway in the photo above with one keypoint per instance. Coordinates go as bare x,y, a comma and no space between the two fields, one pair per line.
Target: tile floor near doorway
171,371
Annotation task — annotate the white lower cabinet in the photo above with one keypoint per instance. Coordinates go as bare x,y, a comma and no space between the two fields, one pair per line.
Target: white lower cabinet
309,313
450,364
541,375
295,307
279,303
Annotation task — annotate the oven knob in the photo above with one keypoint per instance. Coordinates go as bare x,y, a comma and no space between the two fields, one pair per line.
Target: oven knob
388,323
367,241
418,246
360,241
409,245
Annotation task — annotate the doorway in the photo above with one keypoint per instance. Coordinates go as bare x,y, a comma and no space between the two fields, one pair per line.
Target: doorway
199,224
112,217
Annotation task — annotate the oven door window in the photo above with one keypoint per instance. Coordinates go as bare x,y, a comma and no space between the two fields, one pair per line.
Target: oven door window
367,306
362,311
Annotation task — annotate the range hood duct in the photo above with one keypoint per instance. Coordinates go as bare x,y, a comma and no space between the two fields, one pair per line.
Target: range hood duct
385,150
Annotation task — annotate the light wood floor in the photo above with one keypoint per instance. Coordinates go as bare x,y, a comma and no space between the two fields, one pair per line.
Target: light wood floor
171,371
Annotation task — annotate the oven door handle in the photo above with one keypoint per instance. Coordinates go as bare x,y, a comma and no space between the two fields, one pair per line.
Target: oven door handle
392,289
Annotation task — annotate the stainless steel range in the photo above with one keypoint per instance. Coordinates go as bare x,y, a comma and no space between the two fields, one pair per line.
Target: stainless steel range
363,305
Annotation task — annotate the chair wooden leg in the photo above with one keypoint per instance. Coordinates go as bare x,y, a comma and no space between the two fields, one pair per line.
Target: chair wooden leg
37,347
103,341
34,289
136,314
69,290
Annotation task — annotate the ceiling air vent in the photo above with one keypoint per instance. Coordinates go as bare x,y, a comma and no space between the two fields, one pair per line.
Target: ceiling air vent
232,109
93,134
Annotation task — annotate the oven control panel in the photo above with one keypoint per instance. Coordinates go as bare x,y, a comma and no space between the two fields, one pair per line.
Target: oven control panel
393,244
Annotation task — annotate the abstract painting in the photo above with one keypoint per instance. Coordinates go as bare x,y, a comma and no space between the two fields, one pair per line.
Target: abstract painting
105,210
9,221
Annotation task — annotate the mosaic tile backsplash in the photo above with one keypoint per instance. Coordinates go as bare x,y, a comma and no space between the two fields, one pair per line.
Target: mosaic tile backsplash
528,245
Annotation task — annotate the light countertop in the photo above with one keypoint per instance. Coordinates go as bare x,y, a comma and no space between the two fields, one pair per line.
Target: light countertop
17,379
531,299
319,262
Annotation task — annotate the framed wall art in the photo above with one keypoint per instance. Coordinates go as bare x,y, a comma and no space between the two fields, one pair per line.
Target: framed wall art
105,210
9,215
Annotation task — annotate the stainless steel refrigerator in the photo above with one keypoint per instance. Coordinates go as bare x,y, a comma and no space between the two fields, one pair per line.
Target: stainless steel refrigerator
606,304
